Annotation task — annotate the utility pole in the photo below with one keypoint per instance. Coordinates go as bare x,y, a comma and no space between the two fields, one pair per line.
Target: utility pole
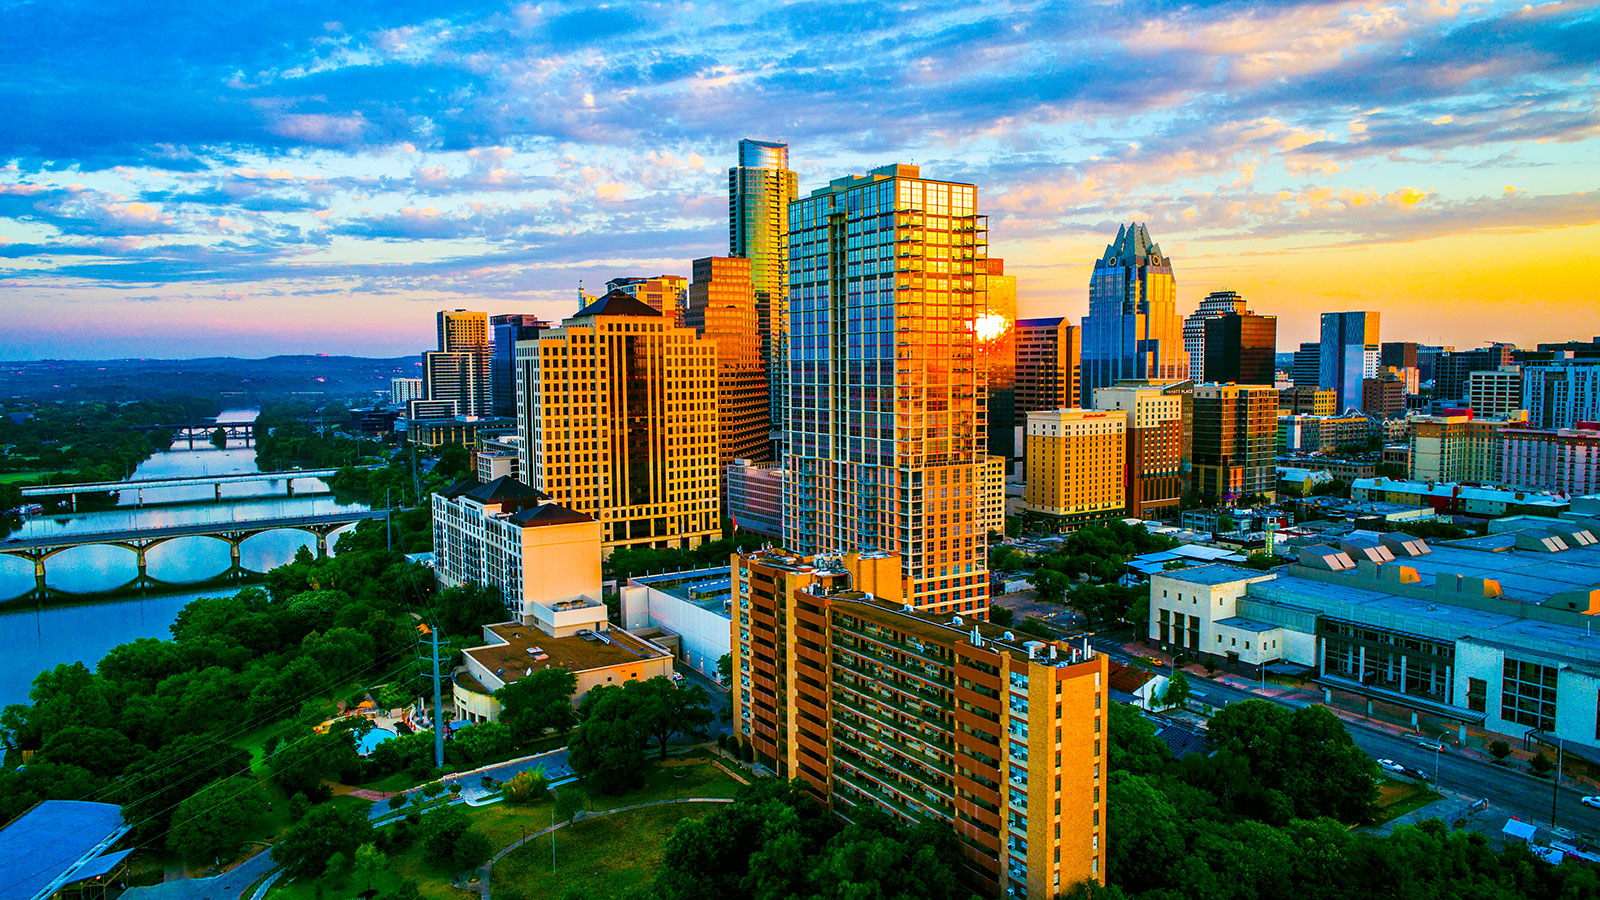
388,508
1555,786
438,703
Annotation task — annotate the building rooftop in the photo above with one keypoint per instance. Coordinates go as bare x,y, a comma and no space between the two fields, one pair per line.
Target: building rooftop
618,303
708,589
502,489
550,513
526,648
952,630
47,846
1244,624
1214,574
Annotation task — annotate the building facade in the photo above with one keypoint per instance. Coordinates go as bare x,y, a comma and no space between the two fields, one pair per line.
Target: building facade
760,189
1566,460
722,309
1312,434
755,497
507,330
992,495
1235,441
1453,368
1348,354
997,358
1306,370
1454,448
1216,303
923,717
1560,395
1495,394
456,377
404,390
1241,348
1308,401
1076,466
617,411
887,409
1154,451
1133,330
1049,366
1384,394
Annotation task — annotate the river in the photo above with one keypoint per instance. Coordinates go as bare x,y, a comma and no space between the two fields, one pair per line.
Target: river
114,610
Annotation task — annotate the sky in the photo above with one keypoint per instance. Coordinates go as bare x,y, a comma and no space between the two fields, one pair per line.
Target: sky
255,178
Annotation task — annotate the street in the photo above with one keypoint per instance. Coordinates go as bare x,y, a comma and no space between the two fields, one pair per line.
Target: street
1527,797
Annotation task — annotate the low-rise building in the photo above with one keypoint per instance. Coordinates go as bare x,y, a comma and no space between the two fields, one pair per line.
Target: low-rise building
63,849
694,606
1451,498
459,431
1364,513
1298,482
1496,632
596,656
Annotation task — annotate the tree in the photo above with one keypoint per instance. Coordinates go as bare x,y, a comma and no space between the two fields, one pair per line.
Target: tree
1001,616
213,823
662,709
302,765
465,609
725,668
1049,584
482,742
1499,750
569,801
304,850
607,748
367,862
154,788
538,702
219,438
447,835
1177,692
1298,762
1541,764
1133,745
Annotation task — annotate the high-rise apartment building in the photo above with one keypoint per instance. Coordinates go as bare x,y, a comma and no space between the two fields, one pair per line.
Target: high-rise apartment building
617,411
1049,366
1133,330
722,308
1306,370
507,331
760,189
925,718
1552,459
1075,460
1495,394
1215,304
754,497
997,358
404,390
1241,348
992,494
456,377
1154,429
1562,394
887,411
1235,441
1349,354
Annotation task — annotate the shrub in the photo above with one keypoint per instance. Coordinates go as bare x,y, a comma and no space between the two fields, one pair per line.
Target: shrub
526,787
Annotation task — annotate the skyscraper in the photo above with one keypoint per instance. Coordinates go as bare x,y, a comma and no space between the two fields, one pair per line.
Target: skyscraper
997,358
508,330
1215,304
760,189
1133,330
1349,353
617,411
1076,460
886,423
1235,441
1049,365
456,377
1307,369
722,309
1155,445
1241,348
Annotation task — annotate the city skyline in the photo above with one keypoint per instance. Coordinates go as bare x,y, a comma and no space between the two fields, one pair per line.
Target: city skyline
296,180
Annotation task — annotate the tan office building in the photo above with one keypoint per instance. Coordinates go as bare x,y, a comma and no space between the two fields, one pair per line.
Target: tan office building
617,411
722,308
1075,466
1155,443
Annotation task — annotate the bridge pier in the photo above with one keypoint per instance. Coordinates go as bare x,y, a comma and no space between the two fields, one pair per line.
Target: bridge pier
322,545
138,553
289,484
233,551
38,575
218,486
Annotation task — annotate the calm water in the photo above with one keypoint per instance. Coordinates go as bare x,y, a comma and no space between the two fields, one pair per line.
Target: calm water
35,639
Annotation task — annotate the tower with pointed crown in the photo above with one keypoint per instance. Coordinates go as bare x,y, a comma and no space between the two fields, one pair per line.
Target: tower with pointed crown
1133,330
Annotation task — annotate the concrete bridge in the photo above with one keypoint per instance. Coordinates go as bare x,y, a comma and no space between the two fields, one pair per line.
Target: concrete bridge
112,487
141,540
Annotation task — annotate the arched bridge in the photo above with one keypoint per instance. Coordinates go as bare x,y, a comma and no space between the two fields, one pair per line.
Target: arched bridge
216,481
141,540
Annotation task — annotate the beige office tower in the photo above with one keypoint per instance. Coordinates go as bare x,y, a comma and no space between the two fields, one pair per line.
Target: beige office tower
722,309
456,374
886,424
617,411
1075,467
760,189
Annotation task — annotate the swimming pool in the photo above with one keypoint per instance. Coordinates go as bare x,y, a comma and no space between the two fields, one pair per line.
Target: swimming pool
370,741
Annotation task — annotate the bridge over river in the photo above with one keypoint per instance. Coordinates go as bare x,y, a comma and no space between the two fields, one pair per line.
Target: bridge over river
217,481
141,540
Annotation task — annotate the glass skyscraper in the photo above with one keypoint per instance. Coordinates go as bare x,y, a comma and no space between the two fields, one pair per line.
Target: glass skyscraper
760,189
887,405
1349,353
1133,330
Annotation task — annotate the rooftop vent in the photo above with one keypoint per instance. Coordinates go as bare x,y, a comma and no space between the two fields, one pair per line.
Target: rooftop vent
1009,636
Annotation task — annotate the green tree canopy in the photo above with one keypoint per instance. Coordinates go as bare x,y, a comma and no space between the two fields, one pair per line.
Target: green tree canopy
304,850
537,703
212,825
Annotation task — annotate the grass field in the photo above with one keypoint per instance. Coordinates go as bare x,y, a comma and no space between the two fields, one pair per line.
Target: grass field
612,856
56,476
1396,798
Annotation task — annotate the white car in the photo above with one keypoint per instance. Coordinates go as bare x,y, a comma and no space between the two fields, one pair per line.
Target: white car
1435,746
1390,765
1590,801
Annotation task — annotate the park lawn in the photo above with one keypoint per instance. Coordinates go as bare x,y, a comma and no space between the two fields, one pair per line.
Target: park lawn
12,477
1396,798
676,777
613,856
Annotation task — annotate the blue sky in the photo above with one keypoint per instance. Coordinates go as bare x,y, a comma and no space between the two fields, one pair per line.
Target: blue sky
256,178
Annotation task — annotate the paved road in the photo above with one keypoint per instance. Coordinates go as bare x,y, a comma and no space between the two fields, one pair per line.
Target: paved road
1527,797
227,886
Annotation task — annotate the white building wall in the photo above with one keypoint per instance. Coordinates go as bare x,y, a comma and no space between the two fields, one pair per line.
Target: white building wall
705,636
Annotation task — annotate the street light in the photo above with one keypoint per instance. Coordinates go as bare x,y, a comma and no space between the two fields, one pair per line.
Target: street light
1438,748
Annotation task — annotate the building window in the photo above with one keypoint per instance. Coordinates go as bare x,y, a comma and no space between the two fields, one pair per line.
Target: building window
1528,695
1477,694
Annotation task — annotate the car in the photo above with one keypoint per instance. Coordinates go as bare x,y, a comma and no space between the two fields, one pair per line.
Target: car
1390,765
1435,746
1590,801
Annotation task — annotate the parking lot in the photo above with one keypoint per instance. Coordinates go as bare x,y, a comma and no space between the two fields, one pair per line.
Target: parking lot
1023,603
